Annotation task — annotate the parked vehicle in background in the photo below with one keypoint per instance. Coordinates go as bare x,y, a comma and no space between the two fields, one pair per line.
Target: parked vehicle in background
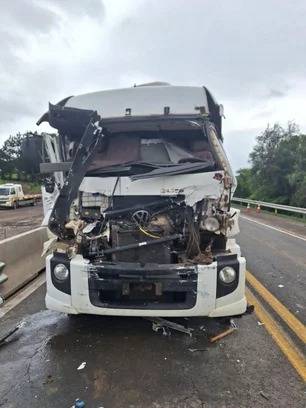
12,196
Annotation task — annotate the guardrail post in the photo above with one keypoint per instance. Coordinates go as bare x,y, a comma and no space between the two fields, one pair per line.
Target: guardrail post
258,208
275,211
248,207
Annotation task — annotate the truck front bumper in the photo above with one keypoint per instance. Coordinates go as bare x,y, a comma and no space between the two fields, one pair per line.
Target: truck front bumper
6,204
150,290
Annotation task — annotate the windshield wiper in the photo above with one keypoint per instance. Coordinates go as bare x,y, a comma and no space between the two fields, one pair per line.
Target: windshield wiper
176,169
128,169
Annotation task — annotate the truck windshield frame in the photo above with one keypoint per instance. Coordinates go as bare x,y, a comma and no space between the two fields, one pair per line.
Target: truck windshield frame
158,155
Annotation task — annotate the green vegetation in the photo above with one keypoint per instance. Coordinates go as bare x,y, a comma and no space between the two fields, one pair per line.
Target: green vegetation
278,167
18,165
28,187
18,159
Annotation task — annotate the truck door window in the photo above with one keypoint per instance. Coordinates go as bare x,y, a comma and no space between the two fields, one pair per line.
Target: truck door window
13,191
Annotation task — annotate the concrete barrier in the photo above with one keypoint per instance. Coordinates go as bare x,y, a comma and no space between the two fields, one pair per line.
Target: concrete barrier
21,255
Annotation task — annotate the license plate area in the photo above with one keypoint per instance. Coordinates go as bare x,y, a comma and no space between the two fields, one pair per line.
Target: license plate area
143,289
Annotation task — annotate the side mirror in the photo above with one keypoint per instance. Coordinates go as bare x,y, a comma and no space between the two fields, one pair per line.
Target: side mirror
31,150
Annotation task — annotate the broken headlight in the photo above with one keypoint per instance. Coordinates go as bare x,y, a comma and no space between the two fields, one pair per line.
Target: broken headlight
211,224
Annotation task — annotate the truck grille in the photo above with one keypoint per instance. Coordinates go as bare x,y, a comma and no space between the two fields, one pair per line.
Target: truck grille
131,286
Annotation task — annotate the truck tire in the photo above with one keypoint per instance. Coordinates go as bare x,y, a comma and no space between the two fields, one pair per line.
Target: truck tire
15,205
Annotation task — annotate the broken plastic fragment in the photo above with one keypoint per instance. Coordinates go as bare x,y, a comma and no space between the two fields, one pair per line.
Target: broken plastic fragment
82,366
89,227
79,403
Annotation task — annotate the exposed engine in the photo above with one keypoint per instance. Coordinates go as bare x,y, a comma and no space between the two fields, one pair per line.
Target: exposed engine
147,229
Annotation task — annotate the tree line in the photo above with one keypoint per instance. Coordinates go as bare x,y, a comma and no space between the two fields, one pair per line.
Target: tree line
14,163
277,171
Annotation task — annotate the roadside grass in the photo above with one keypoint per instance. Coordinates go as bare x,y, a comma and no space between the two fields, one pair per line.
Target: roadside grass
293,217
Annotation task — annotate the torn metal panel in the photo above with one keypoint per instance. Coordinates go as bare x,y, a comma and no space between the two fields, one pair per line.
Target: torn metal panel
161,324
90,141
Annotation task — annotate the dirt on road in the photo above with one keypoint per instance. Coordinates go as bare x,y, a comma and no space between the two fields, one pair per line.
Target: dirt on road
13,222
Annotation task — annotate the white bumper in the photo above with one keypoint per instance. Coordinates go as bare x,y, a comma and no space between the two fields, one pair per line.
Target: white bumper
206,302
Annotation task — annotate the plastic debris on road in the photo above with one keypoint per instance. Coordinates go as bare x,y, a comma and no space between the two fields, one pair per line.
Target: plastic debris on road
82,366
78,403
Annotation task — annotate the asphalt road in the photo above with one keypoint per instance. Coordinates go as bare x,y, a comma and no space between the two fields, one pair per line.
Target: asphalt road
278,260
13,222
130,366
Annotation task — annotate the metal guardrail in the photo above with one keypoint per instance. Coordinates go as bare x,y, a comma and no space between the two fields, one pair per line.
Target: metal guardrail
298,210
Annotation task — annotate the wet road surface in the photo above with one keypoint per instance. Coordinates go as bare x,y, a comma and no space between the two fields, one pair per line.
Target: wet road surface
130,366
13,222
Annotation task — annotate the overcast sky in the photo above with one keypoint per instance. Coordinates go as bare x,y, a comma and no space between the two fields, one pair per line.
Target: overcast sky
250,54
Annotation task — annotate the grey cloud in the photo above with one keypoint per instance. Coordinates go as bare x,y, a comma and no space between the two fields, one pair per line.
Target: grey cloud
245,139
91,8
265,113
21,19
275,93
29,15
240,50
233,47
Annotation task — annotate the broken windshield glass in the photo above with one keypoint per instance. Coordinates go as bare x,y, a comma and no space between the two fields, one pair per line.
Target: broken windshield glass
131,155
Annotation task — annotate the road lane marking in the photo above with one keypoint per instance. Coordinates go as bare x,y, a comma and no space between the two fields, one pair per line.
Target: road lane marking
273,228
22,294
284,343
295,325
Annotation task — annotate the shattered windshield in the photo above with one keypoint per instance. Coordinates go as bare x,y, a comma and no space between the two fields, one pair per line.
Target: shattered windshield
132,155
4,191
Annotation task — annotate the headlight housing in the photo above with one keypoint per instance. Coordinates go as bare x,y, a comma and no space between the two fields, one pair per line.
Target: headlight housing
61,272
211,224
227,274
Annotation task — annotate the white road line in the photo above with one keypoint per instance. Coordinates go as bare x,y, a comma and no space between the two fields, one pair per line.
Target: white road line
22,294
273,228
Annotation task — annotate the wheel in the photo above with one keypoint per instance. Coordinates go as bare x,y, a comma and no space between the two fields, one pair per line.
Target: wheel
15,205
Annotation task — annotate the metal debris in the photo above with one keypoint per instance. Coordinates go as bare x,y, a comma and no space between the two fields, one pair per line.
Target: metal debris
10,333
162,324
264,395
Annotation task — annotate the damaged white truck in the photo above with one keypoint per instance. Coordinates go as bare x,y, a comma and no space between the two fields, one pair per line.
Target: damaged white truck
140,205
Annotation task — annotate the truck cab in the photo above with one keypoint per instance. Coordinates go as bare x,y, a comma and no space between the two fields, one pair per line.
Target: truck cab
139,205
11,195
